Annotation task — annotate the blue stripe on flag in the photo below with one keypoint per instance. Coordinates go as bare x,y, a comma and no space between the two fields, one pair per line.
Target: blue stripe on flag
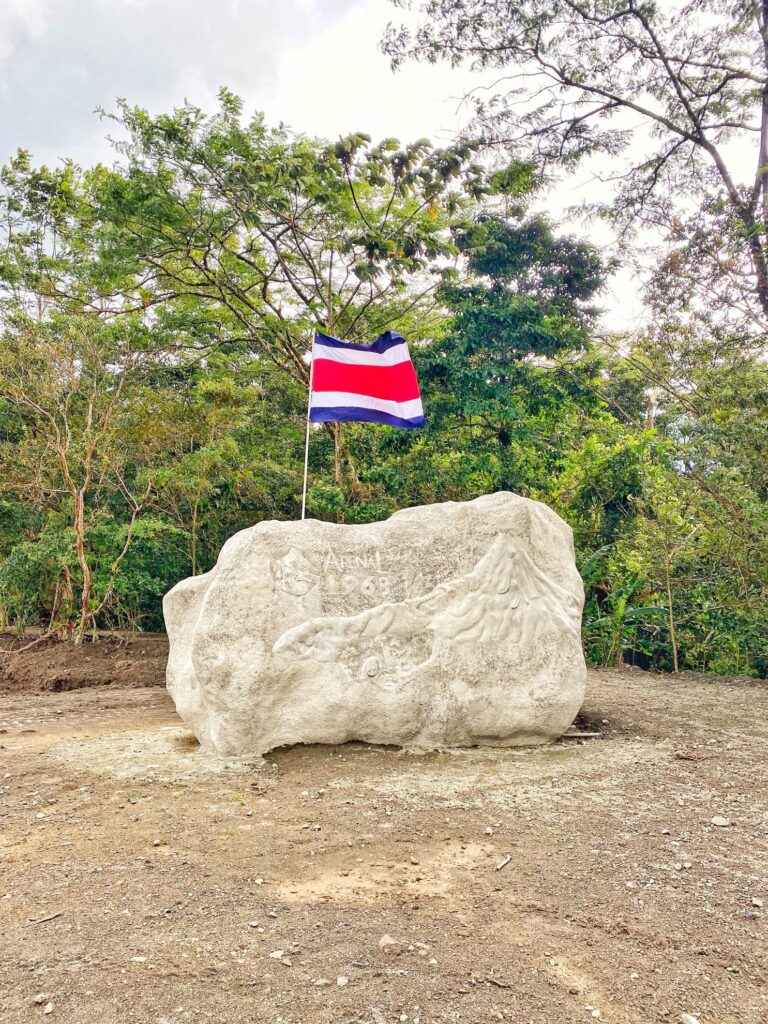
384,341
350,414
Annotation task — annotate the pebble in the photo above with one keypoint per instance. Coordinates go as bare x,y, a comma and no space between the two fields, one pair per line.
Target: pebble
721,822
756,902
321,982
39,999
48,1008
387,940
688,1018
277,954
341,981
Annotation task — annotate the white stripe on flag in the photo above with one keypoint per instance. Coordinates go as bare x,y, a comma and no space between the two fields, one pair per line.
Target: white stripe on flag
344,399
390,357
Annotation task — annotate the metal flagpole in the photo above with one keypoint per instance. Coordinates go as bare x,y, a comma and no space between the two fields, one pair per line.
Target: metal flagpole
306,439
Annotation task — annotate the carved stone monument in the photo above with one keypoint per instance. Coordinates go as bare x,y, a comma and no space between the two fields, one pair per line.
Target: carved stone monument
445,626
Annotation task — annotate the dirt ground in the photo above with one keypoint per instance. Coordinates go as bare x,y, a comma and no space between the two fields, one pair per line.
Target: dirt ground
622,878
126,659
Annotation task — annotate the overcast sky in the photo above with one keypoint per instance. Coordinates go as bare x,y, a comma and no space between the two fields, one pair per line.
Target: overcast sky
314,64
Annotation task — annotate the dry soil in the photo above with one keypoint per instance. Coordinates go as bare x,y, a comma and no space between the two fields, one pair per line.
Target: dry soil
620,878
117,659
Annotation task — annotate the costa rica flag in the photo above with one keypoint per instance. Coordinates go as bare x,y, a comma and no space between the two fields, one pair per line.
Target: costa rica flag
374,383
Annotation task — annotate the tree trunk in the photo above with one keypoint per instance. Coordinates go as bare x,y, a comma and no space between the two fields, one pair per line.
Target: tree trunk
85,600
193,552
672,632
337,475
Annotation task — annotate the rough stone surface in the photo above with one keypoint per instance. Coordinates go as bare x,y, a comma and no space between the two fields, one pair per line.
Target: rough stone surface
447,625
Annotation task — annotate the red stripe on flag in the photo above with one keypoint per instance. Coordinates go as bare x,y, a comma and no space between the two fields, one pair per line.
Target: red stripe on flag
395,383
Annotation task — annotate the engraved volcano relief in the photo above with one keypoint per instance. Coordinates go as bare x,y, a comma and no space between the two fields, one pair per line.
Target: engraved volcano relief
504,598
446,625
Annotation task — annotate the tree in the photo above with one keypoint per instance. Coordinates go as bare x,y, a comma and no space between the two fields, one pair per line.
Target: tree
70,382
509,384
176,296
281,232
154,323
514,365
669,87
264,233
688,479
235,452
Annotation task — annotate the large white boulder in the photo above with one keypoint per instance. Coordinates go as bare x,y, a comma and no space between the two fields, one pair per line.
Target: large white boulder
445,626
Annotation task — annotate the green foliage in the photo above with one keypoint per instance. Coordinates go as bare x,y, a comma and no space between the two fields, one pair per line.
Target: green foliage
154,324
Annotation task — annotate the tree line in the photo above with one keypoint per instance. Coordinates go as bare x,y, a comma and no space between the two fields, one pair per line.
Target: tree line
156,318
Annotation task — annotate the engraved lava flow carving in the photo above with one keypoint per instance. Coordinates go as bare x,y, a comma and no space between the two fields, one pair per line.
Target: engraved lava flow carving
504,597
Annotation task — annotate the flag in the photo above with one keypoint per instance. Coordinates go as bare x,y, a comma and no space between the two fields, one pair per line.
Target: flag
375,383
